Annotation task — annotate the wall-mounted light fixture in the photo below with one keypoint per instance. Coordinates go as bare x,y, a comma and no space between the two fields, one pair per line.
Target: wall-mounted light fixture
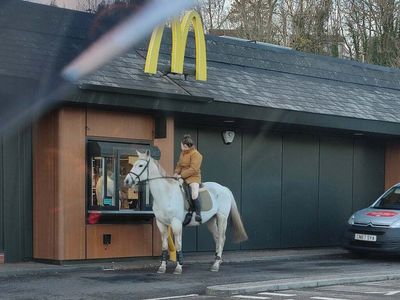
228,136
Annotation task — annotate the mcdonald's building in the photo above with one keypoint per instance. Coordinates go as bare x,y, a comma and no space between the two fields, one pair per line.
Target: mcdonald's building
301,140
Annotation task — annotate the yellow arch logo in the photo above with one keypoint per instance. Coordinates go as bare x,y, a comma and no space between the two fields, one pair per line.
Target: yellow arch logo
180,31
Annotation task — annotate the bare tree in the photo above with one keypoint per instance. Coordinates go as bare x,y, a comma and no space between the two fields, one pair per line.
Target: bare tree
89,5
364,30
214,13
372,28
253,19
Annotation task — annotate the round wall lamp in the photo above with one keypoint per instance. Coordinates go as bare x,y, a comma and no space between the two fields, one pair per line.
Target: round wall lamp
228,136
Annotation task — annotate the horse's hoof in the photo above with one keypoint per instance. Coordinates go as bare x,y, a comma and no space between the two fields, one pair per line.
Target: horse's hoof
214,269
215,266
161,270
178,270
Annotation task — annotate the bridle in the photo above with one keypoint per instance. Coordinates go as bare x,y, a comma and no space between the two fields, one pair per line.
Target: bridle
146,167
130,173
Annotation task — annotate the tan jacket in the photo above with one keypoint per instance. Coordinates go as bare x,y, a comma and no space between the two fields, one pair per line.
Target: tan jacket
189,165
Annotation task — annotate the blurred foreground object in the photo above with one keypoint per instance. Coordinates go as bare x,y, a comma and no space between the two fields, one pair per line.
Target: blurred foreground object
124,36
19,111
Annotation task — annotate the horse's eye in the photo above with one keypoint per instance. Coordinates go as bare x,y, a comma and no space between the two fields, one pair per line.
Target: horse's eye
140,166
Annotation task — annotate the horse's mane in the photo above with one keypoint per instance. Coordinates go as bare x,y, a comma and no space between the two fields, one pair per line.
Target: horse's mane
160,169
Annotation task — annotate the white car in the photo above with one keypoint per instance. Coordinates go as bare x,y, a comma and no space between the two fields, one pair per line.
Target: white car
377,227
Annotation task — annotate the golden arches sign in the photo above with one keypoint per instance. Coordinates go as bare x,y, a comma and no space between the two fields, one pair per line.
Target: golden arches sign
180,31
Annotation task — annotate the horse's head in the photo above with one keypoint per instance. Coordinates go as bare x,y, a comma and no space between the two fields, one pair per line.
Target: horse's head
140,169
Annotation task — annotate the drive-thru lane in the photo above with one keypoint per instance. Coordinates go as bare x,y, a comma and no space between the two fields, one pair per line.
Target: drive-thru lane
146,284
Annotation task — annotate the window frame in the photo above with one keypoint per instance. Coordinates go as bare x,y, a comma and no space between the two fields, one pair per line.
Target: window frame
113,214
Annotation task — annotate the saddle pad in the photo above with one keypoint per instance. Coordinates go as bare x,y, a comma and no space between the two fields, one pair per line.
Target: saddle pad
205,200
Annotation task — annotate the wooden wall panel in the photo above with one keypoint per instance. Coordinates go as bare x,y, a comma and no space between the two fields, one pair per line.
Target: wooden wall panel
392,164
119,125
44,167
60,232
126,240
70,223
166,146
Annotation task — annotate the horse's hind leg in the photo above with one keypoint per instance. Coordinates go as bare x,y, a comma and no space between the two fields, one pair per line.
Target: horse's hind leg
222,223
213,228
176,226
164,246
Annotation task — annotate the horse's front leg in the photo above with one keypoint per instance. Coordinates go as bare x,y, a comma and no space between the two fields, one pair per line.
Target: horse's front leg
176,226
164,246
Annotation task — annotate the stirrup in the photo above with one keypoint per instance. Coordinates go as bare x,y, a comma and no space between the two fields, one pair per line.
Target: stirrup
188,218
198,218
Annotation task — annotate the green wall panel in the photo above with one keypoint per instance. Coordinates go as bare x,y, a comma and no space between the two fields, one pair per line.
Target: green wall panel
293,190
335,188
12,196
221,164
17,196
261,190
300,191
369,172
189,235
1,197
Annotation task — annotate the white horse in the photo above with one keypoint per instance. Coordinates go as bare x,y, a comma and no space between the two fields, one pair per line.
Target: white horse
168,208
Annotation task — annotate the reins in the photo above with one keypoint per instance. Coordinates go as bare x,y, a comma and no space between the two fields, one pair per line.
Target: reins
164,177
148,179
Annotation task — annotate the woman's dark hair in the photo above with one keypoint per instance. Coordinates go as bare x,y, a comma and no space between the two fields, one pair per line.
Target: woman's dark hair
187,140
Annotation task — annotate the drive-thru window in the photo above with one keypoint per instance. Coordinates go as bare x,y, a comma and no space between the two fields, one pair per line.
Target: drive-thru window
108,164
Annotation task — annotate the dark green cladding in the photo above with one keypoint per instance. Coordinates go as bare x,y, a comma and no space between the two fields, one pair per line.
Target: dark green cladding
369,172
335,188
262,185
299,191
1,197
221,164
293,190
16,196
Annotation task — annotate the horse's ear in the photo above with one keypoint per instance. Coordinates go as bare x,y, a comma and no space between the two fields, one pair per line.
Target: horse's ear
138,153
147,153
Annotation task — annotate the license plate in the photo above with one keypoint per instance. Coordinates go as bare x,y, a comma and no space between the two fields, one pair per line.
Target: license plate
365,237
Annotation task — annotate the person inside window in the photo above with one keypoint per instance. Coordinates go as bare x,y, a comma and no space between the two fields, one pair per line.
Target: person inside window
110,189
188,168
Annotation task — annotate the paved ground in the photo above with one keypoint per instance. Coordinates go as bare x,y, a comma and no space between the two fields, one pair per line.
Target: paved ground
137,279
381,290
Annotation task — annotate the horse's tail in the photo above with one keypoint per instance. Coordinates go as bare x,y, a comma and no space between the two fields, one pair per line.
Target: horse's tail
239,233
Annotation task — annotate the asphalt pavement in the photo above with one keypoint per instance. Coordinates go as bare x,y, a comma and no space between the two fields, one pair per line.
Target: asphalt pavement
242,272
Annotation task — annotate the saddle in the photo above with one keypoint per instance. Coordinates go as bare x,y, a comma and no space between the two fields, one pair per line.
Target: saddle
204,198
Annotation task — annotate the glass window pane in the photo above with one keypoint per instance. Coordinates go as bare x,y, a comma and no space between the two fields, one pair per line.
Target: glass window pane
103,181
96,168
109,164
109,184
129,197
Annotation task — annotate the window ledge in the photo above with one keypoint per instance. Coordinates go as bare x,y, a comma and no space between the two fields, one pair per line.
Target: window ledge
122,212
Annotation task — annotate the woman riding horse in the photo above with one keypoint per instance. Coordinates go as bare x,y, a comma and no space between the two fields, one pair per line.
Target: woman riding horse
188,168
168,208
